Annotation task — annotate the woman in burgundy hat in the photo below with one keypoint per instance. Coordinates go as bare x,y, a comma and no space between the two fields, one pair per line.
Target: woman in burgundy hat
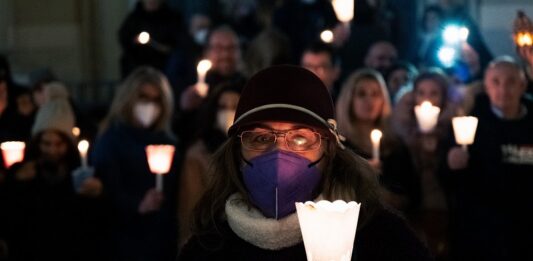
283,148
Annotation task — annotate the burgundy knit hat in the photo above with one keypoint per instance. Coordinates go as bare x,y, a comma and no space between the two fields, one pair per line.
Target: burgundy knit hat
286,93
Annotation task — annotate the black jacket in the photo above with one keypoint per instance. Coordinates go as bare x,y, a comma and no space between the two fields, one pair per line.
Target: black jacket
385,237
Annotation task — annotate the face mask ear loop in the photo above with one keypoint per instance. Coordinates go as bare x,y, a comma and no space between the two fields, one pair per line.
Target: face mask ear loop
276,203
246,161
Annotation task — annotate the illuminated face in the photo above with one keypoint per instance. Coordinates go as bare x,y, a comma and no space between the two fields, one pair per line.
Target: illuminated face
368,100
428,90
504,86
312,155
53,146
320,64
223,52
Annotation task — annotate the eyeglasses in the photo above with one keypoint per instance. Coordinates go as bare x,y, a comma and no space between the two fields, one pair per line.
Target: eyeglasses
297,140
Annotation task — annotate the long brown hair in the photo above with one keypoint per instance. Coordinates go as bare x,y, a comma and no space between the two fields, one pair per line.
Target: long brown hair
344,109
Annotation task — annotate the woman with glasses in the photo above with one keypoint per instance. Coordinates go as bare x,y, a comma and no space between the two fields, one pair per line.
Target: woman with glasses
283,148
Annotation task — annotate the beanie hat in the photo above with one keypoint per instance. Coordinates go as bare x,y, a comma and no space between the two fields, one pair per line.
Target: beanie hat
286,93
56,113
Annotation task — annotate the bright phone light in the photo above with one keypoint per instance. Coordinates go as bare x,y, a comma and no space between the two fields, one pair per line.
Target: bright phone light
454,34
446,56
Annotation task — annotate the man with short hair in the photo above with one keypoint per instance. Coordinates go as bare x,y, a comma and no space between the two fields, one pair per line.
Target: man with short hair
322,60
381,56
494,176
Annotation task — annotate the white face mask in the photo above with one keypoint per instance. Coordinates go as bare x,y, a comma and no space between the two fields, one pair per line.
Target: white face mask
225,119
146,113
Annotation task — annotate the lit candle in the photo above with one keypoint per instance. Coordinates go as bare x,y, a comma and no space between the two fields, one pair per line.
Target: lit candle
201,87
83,147
523,30
327,36
76,132
13,152
344,10
375,137
159,160
464,129
143,38
427,116
202,68
524,39
328,228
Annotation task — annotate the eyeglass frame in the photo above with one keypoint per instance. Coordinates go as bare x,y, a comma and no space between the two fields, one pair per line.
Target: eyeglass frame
283,133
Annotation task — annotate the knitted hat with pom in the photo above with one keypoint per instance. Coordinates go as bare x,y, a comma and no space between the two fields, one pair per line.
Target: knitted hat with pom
56,113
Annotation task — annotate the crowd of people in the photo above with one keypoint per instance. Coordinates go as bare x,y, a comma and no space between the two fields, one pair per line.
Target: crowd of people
280,117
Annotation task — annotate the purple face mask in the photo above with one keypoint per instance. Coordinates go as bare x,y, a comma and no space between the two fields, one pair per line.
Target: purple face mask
278,179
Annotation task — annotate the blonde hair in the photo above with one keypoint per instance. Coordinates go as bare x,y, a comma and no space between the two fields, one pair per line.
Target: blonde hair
128,93
344,109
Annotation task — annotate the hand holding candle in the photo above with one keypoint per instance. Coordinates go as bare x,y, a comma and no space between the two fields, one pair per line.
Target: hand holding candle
464,129
160,160
328,228
83,147
426,116
13,152
375,137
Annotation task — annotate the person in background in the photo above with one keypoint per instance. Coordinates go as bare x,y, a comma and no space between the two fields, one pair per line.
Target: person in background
284,139
163,28
216,118
429,37
143,220
9,116
322,60
429,151
224,52
492,220
268,48
364,105
400,79
455,11
302,22
49,218
381,56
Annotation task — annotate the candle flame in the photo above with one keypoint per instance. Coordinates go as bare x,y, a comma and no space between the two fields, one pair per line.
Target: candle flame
203,66
143,38
376,135
76,132
83,146
524,39
327,36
